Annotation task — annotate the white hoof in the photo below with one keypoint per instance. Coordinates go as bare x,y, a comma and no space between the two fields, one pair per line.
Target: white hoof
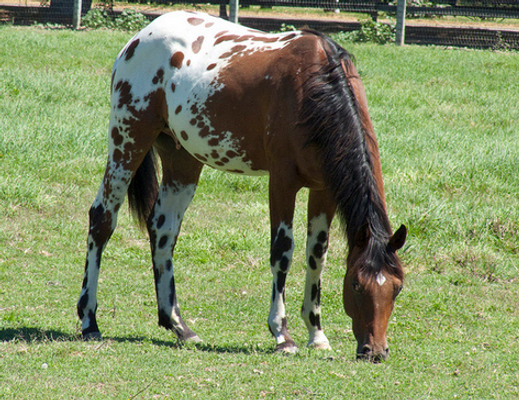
194,339
320,345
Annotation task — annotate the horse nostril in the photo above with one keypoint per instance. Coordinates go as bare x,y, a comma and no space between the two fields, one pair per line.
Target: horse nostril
377,358
364,353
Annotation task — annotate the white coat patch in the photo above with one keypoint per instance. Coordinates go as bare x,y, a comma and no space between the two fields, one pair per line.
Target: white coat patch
381,279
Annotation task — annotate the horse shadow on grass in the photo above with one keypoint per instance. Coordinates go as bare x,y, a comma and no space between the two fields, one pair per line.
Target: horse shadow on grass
35,335
39,335
203,346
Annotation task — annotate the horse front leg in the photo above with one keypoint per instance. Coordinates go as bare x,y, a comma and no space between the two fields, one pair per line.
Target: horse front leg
320,215
282,201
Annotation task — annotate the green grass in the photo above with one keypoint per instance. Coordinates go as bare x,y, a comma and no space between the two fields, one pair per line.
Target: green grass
447,123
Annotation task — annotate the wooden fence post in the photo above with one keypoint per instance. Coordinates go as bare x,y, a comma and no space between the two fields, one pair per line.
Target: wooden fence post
233,10
76,14
400,22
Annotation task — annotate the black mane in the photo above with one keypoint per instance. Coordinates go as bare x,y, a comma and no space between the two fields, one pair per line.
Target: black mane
329,111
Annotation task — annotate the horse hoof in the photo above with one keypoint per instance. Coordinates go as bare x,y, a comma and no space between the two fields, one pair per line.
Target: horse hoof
193,339
286,348
92,336
320,346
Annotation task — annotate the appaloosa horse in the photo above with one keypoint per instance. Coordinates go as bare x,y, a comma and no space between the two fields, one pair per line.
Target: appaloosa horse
199,90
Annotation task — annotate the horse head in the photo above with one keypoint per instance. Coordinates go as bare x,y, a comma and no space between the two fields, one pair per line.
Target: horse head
373,280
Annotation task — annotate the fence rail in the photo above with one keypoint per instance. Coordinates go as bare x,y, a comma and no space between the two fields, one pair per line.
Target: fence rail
60,11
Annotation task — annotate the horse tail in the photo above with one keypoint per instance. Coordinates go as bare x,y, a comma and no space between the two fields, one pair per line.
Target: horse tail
143,189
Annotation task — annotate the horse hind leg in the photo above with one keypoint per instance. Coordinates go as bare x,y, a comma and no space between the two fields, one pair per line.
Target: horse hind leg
180,178
103,220
131,137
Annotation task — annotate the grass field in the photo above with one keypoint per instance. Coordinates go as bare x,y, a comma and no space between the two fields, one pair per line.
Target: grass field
447,121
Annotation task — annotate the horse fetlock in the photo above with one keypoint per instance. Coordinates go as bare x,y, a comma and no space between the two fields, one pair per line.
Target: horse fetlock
173,322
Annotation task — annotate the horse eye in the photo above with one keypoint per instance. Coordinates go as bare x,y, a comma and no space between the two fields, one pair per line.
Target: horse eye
398,290
356,287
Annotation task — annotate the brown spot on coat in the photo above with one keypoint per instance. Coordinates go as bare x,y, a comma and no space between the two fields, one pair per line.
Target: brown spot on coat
130,50
116,137
183,135
195,21
173,87
265,39
159,77
204,132
231,154
220,34
194,109
234,50
288,37
200,157
211,66
244,38
125,96
176,60
117,156
197,44
225,38
177,111
209,24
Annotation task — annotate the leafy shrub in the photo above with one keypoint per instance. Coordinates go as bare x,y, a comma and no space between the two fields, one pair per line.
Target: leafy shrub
97,18
371,31
128,20
131,20
287,28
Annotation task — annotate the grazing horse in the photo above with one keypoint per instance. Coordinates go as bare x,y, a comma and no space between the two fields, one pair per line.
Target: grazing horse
198,90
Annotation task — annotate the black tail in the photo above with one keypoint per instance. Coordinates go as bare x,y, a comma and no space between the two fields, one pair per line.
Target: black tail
143,189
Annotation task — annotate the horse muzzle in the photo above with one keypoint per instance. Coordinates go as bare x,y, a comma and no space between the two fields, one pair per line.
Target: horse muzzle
367,353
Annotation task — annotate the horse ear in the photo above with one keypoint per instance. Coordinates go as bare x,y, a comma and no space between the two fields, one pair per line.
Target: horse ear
362,236
397,241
